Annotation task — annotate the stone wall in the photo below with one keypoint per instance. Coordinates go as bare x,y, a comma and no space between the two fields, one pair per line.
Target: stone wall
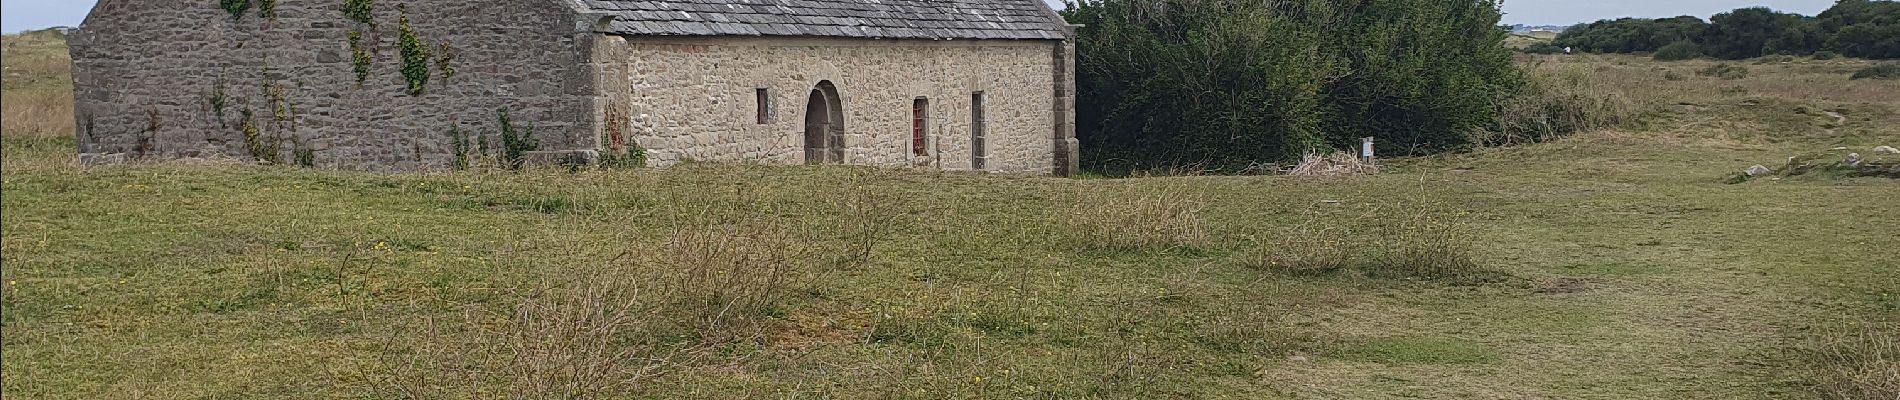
686,99
148,74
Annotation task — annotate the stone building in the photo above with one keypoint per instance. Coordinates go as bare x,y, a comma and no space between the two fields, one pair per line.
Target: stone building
428,84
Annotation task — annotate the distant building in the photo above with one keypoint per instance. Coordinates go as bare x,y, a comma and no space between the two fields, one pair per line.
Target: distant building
955,84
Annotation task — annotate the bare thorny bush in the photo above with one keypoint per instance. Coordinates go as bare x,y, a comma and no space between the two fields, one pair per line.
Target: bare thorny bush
869,217
730,270
1138,218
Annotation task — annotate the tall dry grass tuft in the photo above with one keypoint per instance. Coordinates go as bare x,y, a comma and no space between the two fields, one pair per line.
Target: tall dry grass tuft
581,337
1138,217
1856,361
728,271
1416,244
1558,101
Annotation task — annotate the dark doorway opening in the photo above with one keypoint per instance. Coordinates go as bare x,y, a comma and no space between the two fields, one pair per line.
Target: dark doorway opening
824,125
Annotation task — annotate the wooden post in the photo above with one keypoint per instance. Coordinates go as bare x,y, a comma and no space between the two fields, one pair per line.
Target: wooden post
1365,150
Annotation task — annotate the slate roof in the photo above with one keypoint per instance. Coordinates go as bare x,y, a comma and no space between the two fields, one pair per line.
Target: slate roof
884,19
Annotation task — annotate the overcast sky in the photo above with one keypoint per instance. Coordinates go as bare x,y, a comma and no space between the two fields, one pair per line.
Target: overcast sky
19,15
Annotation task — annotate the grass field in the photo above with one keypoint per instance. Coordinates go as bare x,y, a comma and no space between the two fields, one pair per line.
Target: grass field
1613,264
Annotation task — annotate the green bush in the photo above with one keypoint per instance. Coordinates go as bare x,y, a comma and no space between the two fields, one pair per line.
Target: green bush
1825,55
1632,35
1854,28
1678,51
1544,48
1222,85
1879,71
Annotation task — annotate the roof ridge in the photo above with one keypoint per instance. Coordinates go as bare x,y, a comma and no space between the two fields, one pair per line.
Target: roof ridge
882,19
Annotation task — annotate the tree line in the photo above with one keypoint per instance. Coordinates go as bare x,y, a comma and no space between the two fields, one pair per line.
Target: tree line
1853,28
1231,85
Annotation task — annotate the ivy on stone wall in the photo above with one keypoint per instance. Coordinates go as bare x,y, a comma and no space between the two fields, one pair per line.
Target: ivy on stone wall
267,9
218,99
415,54
261,148
444,57
235,7
361,11
283,117
359,56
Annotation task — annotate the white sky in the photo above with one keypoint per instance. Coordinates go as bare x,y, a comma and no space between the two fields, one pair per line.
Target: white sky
19,15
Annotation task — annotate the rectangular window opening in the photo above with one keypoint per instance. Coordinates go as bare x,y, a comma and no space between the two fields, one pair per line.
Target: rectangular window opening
764,99
979,153
919,127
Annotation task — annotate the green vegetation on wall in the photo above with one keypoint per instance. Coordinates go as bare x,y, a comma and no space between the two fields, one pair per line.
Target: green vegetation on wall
516,142
618,147
267,9
260,147
235,7
458,142
360,56
361,11
445,59
415,54
218,99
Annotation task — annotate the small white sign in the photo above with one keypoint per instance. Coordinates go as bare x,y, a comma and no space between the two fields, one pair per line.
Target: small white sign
1365,148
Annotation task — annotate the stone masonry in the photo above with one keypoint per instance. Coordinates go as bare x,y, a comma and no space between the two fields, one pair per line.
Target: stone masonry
694,98
185,78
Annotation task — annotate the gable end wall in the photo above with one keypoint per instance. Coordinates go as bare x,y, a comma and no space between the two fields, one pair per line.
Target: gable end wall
145,73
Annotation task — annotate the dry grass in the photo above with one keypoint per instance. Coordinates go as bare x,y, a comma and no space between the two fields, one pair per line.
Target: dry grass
37,100
1559,100
166,280
1138,219
729,270
1648,83
580,337
1406,242
1336,164
1857,361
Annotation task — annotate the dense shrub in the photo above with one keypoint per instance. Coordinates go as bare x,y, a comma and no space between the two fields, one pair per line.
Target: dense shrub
1855,28
1632,35
1227,84
1678,51
1879,71
1757,31
1219,83
1863,28
1825,55
1544,48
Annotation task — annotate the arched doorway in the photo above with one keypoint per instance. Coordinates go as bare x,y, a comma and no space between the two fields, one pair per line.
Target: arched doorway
824,125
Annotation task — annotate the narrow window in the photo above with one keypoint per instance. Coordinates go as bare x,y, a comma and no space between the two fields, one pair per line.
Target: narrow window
919,126
978,152
764,98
